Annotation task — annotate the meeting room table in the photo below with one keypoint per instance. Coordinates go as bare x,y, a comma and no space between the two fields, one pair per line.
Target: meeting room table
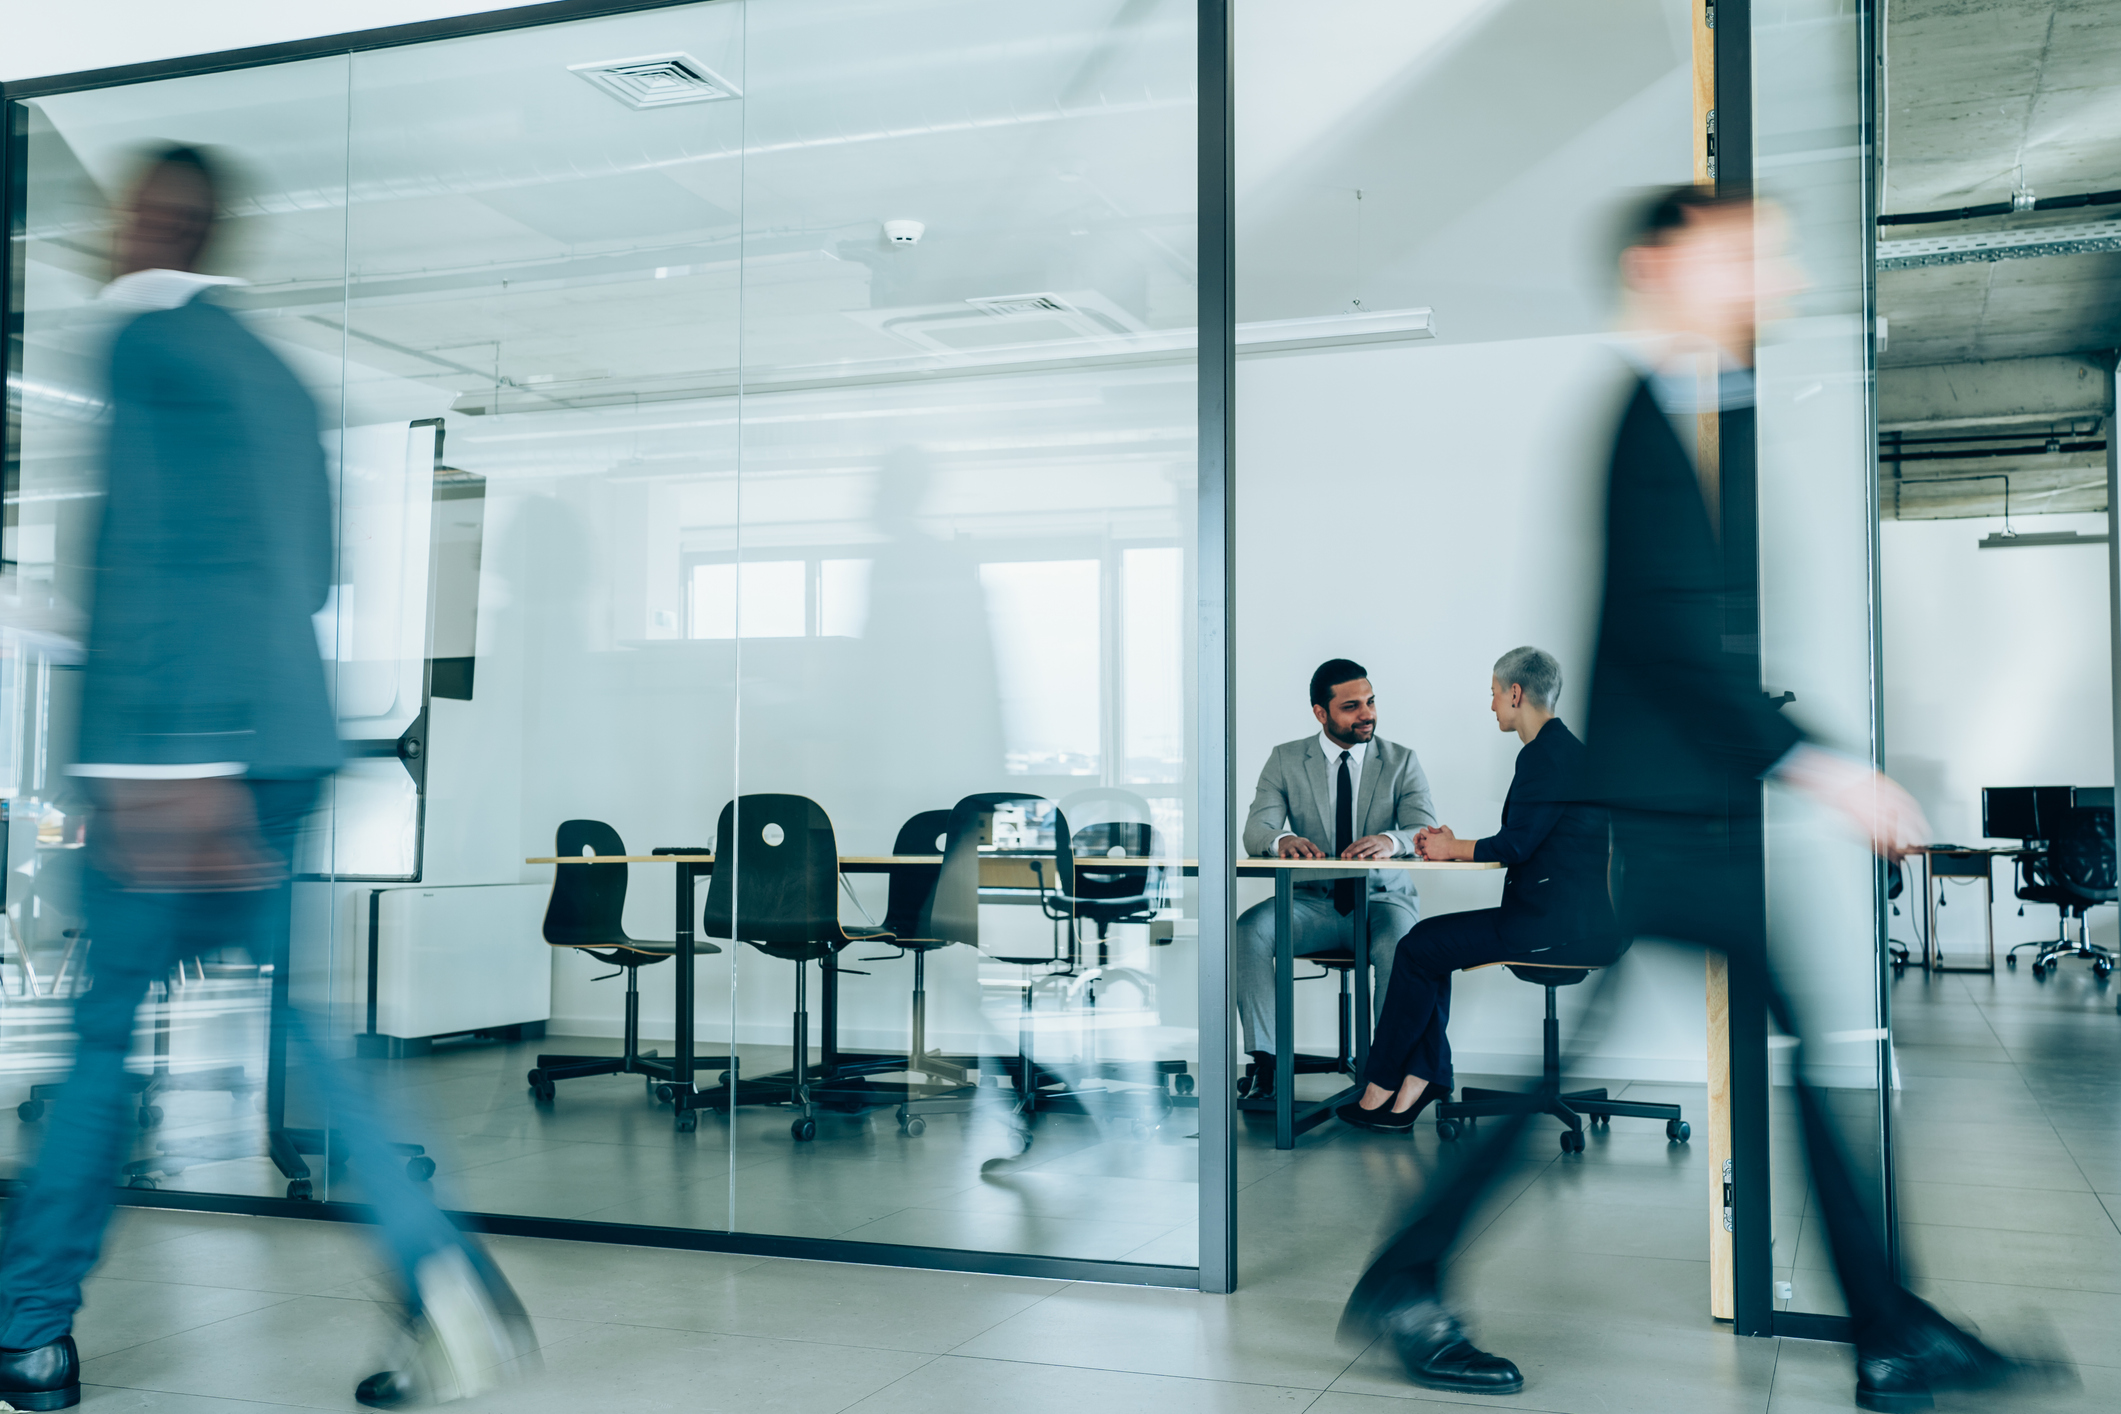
1015,871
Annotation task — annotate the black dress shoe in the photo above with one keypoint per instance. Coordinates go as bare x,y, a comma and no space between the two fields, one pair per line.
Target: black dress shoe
48,1377
1900,1373
1433,1348
1383,1118
386,1389
1262,1079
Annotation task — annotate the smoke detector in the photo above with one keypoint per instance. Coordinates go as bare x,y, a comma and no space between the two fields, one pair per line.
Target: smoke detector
657,80
904,232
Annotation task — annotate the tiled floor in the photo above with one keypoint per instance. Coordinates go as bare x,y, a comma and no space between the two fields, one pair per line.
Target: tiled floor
1587,1270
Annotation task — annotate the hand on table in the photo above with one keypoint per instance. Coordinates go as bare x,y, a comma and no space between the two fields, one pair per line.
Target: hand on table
1434,842
1371,847
1297,847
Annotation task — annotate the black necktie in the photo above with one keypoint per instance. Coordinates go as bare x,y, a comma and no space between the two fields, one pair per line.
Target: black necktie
1343,836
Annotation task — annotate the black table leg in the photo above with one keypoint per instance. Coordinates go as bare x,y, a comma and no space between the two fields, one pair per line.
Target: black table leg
1284,1012
1361,918
681,1063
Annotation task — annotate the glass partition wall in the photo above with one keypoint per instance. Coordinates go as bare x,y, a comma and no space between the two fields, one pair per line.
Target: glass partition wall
763,432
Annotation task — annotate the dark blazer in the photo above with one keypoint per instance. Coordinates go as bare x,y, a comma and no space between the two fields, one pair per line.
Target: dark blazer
1672,717
214,552
1555,848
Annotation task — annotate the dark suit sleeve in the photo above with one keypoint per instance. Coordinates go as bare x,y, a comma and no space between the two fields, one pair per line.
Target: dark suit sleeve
1520,836
1663,613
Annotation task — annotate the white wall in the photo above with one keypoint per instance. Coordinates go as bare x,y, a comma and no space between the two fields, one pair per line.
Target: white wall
98,34
1996,674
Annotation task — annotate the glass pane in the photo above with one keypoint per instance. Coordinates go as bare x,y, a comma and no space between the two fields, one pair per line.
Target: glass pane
1816,595
542,281
969,407
215,1075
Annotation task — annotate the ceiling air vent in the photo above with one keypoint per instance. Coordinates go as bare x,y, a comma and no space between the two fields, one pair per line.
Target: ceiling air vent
657,80
1019,306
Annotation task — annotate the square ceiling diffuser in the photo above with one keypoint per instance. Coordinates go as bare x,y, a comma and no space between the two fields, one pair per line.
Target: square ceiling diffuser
657,80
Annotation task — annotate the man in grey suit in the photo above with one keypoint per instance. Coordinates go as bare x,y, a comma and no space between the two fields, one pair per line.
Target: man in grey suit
1345,793
206,731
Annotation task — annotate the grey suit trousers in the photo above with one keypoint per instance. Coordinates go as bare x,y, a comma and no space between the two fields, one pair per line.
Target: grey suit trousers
1316,928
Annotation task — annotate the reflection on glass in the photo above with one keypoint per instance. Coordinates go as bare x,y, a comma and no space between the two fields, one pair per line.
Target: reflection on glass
1047,617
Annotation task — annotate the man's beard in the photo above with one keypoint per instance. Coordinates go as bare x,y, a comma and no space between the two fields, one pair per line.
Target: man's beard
1356,734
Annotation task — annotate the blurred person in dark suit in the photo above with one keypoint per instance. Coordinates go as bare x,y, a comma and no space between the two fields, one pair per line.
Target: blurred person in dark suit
1554,906
1675,723
206,731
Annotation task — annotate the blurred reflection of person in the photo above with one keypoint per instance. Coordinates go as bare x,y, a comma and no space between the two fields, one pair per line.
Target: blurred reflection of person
1554,909
205,732
1344,793
1674,722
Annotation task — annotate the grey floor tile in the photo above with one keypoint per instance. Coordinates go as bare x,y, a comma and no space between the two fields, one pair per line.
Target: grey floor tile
1043,1235
109,1399
2073,1326
959,1385
117,1314
1812,1377
2004,1209
296,1258
2056,1261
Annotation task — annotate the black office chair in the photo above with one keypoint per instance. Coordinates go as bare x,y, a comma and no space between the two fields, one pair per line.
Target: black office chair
586,913
935,1083
2075,873
1454,1117
777,862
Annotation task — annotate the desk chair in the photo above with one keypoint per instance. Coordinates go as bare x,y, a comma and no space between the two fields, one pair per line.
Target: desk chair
2074,873
776,860
1454,1117
1331,964
586,913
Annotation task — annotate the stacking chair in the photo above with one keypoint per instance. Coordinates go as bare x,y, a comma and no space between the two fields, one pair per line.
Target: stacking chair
585,913
1454,1117
776,887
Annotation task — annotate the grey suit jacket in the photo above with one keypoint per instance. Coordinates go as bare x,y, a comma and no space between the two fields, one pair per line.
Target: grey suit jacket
1391,794
215,550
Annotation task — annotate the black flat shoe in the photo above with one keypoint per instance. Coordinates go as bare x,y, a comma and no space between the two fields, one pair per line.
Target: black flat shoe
1435,1353
1901,1373
48,1377
1382,1118
386,1389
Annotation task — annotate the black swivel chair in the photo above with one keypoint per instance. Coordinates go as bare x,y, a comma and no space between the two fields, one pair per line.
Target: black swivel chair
586,913
935,1083
2075,873
776,887
1454,1117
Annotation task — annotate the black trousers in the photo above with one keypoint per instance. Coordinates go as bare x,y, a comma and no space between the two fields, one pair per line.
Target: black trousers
1411,1030
1681,883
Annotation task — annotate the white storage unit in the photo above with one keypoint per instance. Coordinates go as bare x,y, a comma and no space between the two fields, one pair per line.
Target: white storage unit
448,960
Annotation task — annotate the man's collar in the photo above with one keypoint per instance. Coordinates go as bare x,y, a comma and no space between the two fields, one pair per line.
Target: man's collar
160,289
1333,748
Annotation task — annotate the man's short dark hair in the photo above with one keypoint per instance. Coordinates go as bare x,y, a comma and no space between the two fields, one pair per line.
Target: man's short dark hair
1331,674
1653,218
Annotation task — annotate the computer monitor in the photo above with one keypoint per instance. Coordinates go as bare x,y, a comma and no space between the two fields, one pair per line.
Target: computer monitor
2022,812
2093,797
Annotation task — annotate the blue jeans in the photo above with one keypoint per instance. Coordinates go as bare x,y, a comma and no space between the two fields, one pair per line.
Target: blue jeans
55,1227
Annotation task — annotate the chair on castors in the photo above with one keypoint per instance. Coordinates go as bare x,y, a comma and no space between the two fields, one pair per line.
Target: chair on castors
776,887
935,1083
586,913
2075,873
1454,1117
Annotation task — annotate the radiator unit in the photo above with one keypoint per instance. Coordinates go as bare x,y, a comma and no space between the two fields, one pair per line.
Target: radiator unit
454,961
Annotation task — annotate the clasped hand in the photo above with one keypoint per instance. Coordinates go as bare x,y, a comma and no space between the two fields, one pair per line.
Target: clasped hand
1368,847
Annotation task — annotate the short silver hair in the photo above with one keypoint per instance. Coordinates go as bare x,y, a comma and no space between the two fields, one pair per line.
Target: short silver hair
1534,670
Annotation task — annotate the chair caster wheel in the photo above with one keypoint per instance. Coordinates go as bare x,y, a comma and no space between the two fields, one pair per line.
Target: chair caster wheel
912,1126
541,1088
299,1188
2010,962
1599,1120
1181,1084
1678,1130
688,1122
803,1130
1571,1141
1448,1130
142,1182
150,1116
419,1168
665,1093
30,1111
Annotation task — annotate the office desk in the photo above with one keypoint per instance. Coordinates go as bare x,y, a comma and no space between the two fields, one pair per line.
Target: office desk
1001,871
1941,862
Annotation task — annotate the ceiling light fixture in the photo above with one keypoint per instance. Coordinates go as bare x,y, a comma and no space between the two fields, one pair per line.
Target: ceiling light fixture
657,80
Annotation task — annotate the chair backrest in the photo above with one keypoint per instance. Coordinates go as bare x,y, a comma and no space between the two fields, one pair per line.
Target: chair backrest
588,900
776,873
1117,892
952,911
2080,854
913,884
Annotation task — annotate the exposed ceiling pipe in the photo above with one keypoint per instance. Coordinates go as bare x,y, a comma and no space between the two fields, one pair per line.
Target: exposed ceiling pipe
2002,208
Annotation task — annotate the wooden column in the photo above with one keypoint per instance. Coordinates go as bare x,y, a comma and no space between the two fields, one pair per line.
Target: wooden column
1717,1126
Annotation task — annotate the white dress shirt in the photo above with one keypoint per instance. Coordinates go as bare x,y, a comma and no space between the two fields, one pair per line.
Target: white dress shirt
1402,840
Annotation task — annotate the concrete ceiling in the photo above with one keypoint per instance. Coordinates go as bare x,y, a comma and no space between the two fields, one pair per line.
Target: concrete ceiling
1981,97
